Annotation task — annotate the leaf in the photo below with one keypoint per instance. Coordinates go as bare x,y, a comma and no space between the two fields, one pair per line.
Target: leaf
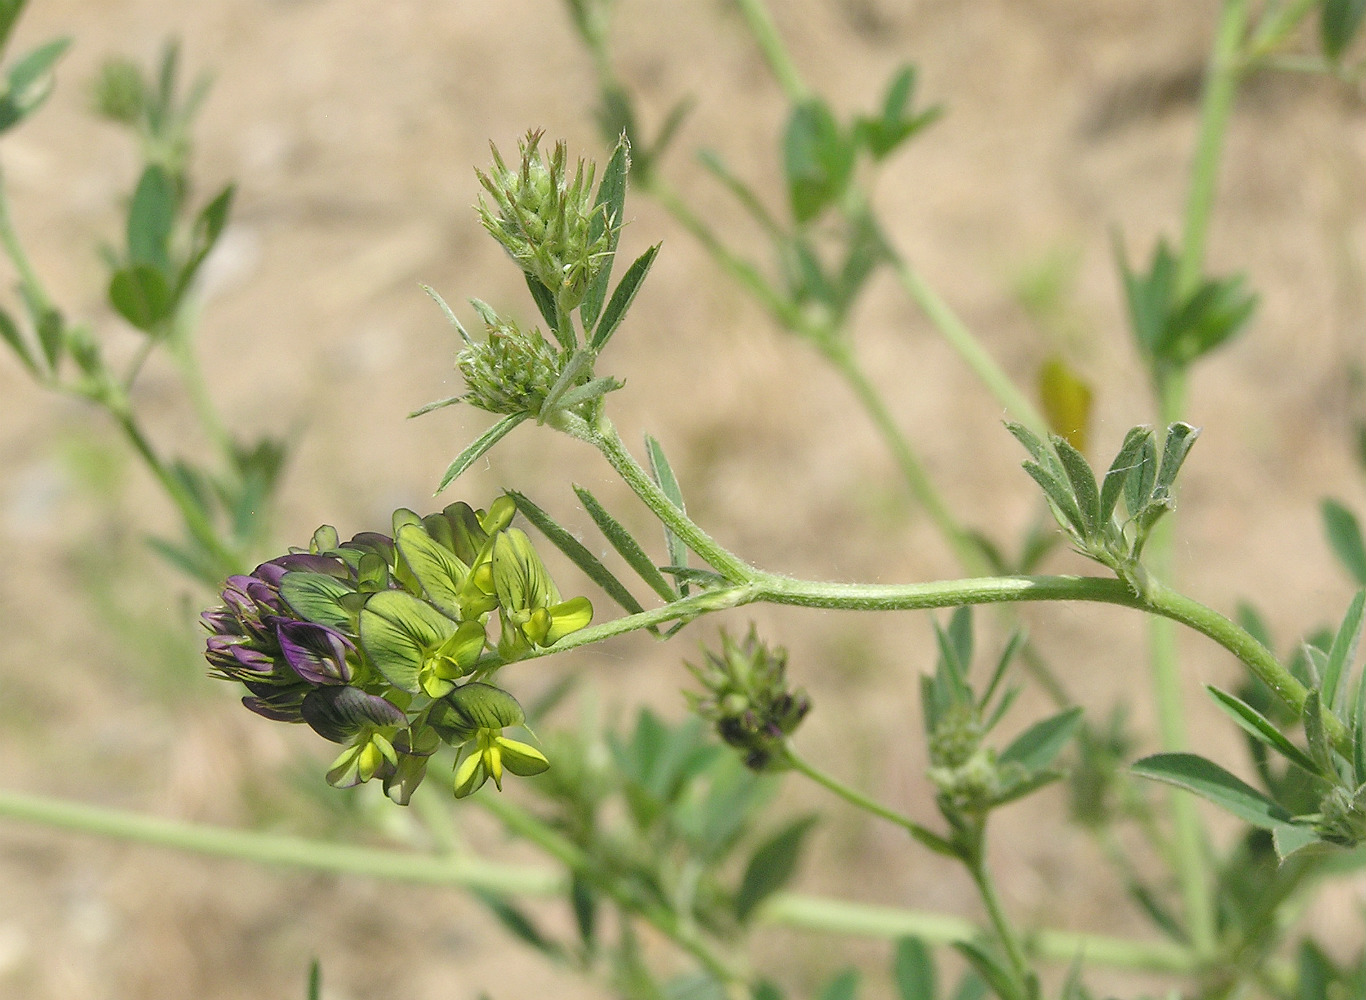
1338,24
545,301
1208,779
315,981
589,390
516,922
576,551
1060,500
622,297
481,444
1314,733
818,159
584,902
11,335
626,545
913,970
843,987
990,969
1138,485
664,478
1083,482
151,219
1344,538
1127,460
1180,438
208,227
141,296
29,81
1291,837
9,15
1342,654
771,866
1036,747
611,200
1260,728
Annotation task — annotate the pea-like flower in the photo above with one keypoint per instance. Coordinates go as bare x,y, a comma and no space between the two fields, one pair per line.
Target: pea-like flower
380,643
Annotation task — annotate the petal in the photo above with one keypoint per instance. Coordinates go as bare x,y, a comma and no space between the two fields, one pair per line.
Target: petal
483,706
568,617
522,759
316,653
470,775
339,713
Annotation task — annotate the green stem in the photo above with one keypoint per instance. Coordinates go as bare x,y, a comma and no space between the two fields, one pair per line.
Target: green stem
1223,74
14,249
765,33
1000,923
277,849
969,348
196,521
862,802
832,916
606,439
523,824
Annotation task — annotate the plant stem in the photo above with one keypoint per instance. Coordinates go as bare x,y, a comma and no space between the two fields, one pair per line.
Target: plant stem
14,249
862,802
789,910
765,33
969,348
1000,923
1221,85
522,823
278,849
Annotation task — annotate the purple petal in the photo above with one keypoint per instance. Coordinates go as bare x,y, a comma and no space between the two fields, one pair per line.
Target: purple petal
282,704
308,563
317,653
339,713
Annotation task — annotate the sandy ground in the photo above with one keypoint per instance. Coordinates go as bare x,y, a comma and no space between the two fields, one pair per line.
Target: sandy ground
352,128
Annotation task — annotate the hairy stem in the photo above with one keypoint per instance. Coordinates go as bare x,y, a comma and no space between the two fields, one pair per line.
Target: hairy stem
766,35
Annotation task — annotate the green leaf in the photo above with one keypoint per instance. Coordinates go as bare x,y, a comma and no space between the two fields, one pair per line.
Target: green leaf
1036,747
626,545
913,970
1315,735
1291,837
477,448
1344,538
1138,485
990,968
1128,460
141,296
667,482
516,922
11,335
771,866
397,630
818,159
1180,437
315,981
190,559
9,15
1083,482
28,82
1060,500
1338,25
583,900
589,390
1342,654
208,227
579,362
622,297
1260,728
611,198
1208,779
545,300
576,551
151,220
319,598
843,987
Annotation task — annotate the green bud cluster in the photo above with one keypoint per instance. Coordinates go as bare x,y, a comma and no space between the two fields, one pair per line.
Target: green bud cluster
748,699
548,221
1342,816
511,371
381,643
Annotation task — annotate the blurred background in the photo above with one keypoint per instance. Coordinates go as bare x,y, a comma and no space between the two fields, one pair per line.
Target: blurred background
352,129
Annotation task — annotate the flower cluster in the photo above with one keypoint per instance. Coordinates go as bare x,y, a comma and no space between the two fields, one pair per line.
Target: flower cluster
550,224
748,698
513,370
380,643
